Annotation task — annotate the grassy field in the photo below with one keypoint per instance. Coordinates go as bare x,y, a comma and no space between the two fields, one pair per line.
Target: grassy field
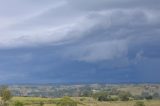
121,103
34,101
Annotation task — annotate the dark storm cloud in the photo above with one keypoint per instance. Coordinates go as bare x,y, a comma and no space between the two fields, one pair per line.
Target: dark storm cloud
64,40
114,4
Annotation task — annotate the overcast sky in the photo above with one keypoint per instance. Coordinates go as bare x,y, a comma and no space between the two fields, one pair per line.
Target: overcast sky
69,41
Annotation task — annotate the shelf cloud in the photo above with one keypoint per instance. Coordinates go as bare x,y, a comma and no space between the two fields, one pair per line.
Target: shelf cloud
109,36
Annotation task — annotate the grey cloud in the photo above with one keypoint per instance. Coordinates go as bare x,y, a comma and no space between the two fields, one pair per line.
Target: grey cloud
104,30
107,35
120,38
99,51
96,5
127,28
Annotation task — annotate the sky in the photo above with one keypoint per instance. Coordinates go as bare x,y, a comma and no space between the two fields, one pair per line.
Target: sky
79,41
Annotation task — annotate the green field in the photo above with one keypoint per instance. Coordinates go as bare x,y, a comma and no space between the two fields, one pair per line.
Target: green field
34,101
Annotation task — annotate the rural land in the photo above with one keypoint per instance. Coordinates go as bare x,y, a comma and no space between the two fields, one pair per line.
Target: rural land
81,95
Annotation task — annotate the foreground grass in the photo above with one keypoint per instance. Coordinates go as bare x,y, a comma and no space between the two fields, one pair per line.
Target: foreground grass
34,101
122,103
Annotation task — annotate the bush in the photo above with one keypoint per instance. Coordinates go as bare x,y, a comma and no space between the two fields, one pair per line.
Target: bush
82,99
4,104
156,95
146,95
18,103
113,98
138,97
66,101
41,104
86,93
149,97
5,93
139,103
124,96
101,96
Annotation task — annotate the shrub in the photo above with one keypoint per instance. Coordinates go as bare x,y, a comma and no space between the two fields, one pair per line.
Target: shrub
113,98
156,95
101,96
138,97
41,104
18,103
124,96
139,103
66,101
146,95
5,93
82,99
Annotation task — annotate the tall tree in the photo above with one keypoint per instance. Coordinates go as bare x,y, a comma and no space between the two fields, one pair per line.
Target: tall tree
5,93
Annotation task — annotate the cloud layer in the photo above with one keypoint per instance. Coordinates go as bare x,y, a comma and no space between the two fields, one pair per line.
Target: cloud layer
114,37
